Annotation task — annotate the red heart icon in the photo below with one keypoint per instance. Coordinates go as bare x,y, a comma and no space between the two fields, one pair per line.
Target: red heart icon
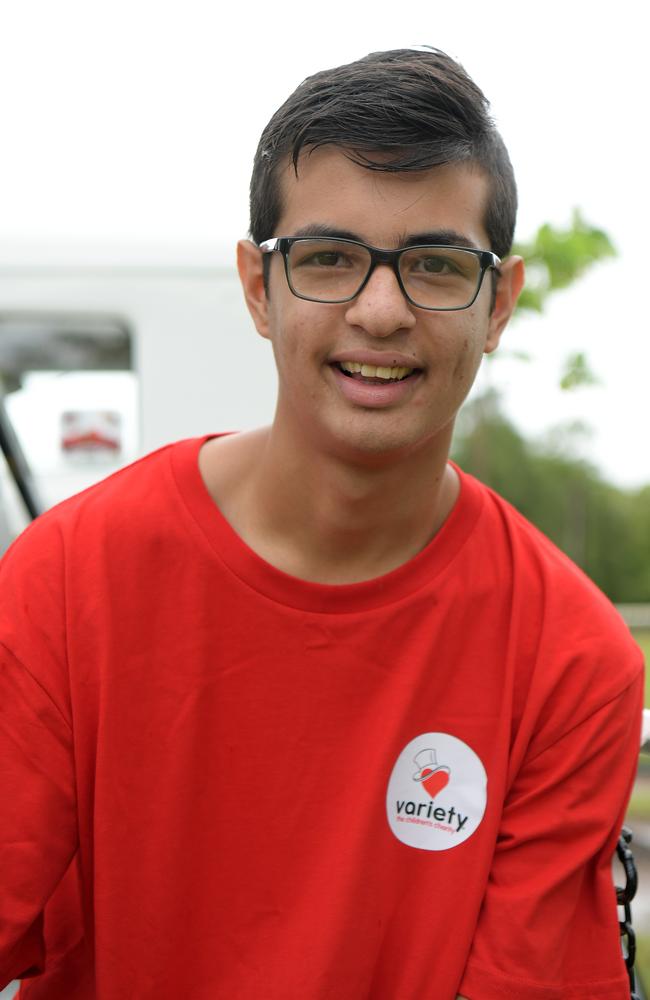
434,781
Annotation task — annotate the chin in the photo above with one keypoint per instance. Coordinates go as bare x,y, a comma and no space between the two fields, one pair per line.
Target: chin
374,440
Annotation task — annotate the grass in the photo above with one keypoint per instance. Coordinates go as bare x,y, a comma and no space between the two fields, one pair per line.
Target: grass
639,808
642,964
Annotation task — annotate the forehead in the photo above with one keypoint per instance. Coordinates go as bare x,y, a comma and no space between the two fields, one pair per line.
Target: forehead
382,208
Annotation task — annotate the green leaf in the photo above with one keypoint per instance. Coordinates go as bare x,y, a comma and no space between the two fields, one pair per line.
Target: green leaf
556,258
577,372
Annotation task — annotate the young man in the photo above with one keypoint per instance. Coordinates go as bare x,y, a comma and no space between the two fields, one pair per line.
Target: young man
307,713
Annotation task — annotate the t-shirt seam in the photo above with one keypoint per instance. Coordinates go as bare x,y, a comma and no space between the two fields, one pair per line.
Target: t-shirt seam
517,981
124,470
64,609
590,715
36,681
316,611
295,607
245,582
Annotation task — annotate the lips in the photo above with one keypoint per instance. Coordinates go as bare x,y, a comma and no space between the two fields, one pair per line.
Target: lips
373,392
379,359
375,373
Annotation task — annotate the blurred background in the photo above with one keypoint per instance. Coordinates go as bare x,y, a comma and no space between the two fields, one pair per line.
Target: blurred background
128,134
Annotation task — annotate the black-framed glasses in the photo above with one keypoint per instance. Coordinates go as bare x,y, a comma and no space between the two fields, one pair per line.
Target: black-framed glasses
324,269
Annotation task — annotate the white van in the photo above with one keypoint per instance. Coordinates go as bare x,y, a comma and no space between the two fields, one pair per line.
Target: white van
155,341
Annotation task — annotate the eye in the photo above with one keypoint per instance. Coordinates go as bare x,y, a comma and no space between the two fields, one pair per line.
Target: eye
435,264
439,265
326,255
325,258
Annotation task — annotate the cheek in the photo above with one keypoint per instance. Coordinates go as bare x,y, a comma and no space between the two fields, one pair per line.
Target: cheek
463,362
295,339
469,354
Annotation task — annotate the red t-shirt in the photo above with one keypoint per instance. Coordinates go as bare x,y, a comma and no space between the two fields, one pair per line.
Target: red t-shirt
219,781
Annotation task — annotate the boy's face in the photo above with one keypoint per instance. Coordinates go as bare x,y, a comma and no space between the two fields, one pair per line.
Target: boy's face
341,413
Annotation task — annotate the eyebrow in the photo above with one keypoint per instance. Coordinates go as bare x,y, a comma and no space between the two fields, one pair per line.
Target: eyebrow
434,237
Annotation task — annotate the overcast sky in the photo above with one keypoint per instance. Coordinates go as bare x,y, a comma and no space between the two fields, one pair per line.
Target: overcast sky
138,121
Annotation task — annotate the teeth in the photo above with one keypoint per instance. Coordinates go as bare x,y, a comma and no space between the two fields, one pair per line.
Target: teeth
374,371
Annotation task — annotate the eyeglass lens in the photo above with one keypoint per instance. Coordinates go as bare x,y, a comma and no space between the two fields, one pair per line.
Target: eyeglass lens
434,277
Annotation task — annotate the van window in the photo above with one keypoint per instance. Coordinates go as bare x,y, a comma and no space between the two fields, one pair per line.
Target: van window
68,408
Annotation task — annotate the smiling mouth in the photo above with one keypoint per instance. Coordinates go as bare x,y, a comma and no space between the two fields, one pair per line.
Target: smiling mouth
374,374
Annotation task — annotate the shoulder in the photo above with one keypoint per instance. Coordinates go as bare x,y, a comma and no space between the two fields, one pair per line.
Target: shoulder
133,492
536,563
100,525
580,652
89,545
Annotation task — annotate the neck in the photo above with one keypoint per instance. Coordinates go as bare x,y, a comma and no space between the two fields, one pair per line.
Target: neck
335,518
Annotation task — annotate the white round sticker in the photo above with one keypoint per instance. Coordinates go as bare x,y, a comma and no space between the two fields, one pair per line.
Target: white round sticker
437,793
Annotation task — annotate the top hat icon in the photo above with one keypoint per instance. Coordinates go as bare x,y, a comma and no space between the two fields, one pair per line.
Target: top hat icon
427,763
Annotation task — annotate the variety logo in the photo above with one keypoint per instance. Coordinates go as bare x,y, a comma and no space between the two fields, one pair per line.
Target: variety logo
437,793
433,776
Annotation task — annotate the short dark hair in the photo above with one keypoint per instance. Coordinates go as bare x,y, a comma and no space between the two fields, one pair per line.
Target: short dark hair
417,107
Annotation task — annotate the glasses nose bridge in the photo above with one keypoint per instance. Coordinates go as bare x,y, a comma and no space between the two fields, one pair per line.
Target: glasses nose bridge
390,258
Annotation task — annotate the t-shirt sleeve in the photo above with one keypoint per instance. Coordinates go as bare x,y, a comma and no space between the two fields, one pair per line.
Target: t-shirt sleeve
548,926
38,826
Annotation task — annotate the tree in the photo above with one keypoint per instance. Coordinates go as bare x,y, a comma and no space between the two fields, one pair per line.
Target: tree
556,258
605,530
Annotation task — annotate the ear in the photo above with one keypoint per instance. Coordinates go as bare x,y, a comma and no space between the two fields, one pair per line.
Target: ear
251,275
509,284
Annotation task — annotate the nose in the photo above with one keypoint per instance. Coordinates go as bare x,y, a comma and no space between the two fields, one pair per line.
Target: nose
381,308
